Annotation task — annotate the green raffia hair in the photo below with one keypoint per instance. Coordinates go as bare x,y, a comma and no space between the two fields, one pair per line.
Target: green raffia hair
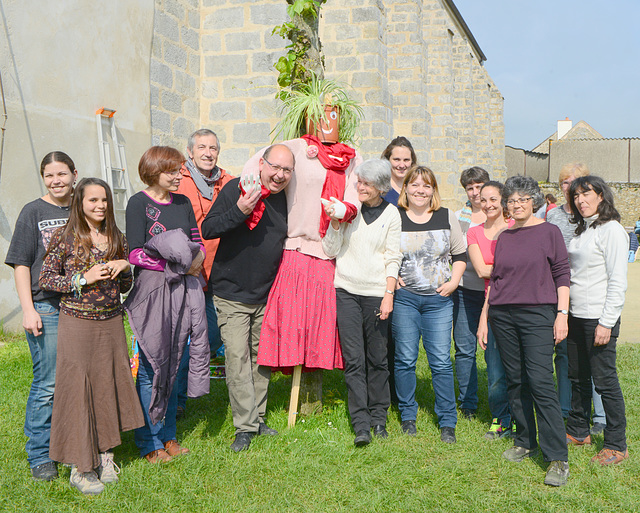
308,100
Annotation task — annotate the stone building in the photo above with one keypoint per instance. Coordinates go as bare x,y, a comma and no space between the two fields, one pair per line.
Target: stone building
171,66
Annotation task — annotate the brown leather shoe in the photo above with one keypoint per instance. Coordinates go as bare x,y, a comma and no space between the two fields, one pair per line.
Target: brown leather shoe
158,456
610,457
174,448
572,440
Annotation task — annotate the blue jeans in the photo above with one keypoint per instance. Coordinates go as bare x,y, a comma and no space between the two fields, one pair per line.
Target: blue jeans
496,382
37,424
598,409
152,437
430,317
467,306
215,344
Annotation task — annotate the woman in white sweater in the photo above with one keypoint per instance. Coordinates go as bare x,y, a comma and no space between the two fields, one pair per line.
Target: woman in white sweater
598,257
367,253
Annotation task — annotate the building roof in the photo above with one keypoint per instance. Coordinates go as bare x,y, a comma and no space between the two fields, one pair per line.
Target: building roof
581,130
459,20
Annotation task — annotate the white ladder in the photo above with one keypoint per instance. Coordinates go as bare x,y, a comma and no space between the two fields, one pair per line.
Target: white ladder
116,176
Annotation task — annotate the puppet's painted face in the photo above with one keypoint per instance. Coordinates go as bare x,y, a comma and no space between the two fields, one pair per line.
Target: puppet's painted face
326,133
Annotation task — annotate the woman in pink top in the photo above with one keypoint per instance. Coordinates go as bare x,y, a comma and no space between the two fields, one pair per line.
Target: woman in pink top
481,241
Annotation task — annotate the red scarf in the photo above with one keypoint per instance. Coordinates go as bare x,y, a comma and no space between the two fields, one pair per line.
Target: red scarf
255,216
335,158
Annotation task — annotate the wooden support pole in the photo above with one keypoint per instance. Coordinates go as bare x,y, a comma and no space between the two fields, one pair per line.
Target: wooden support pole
295,392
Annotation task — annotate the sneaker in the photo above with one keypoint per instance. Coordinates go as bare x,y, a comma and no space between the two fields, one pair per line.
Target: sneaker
263,429
496,431
557,473
448,435
517,454
45,472
362,438
380,431
107,471
610,457
467,413
87,482
242,441
409,427
572,440
597,428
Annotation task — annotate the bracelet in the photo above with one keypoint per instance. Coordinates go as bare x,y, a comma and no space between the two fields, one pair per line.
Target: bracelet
389,292
75,285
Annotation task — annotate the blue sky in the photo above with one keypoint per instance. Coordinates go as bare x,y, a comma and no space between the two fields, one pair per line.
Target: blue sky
562,58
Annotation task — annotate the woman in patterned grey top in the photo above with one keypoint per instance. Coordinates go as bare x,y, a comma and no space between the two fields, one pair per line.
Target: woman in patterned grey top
434,258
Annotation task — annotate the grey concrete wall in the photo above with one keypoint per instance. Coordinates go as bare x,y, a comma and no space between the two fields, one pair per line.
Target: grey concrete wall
521,162
59,62
608,158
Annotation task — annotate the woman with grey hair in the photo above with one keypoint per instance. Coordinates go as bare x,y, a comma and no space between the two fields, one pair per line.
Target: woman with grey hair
367,253
526,303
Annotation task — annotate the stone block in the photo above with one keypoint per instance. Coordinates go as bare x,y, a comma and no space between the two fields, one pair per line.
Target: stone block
261,86
364,14
160,120
366,79
161,74
191,109
396,39
190,38
251,133
171,101
183,128
225,65
166,26
211,43
194,4
194,64
272,41
347,64
334,16
213,3
223,111
210,89
346,32
194,19
174,7
265,109
242,41
221,19
411,86
184,83
234,159
263,62
154,95
269,14
339,48
420,127
175,55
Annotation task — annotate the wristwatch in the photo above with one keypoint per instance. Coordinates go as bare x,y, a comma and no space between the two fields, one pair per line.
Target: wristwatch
82,281
565,312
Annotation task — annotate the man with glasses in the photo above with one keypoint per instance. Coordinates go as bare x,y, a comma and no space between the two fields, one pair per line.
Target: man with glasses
251,221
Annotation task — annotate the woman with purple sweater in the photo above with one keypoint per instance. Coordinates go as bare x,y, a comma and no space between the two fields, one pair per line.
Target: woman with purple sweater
526,303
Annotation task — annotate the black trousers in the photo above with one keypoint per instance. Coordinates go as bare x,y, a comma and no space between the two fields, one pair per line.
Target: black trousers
587,361
524,336
363,337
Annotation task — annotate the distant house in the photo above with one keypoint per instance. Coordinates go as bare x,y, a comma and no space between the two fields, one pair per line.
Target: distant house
566,132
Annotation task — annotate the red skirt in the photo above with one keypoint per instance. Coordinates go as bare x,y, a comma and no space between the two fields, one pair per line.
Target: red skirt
299,326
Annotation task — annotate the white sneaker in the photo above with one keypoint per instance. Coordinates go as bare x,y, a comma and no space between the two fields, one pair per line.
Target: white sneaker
87,482
107,471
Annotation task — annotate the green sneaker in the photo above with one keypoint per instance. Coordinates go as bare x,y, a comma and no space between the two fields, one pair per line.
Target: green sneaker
557,473
497,431
517,454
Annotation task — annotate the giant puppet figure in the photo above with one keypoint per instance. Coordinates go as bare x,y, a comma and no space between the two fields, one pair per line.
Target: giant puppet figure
299,327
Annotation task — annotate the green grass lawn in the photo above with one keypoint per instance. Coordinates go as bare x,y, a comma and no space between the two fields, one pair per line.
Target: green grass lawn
315,467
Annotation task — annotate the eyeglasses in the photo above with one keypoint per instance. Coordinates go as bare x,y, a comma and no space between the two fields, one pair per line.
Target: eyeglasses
287,171
173,174
519,201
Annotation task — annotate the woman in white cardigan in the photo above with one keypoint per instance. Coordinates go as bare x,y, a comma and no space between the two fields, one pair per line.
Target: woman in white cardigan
368,257
598,257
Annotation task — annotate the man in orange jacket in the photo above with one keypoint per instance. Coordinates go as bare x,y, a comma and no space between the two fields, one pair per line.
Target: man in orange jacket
202,181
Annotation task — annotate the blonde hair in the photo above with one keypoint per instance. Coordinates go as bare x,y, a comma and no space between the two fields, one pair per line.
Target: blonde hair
429,178
576,169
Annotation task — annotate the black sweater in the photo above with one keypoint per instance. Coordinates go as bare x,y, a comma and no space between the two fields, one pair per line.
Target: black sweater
247,261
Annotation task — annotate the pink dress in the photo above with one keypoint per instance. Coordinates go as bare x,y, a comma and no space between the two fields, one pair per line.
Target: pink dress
299,326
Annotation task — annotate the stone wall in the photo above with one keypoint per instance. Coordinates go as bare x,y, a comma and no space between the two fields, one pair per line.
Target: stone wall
175,71
409,62
626,198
